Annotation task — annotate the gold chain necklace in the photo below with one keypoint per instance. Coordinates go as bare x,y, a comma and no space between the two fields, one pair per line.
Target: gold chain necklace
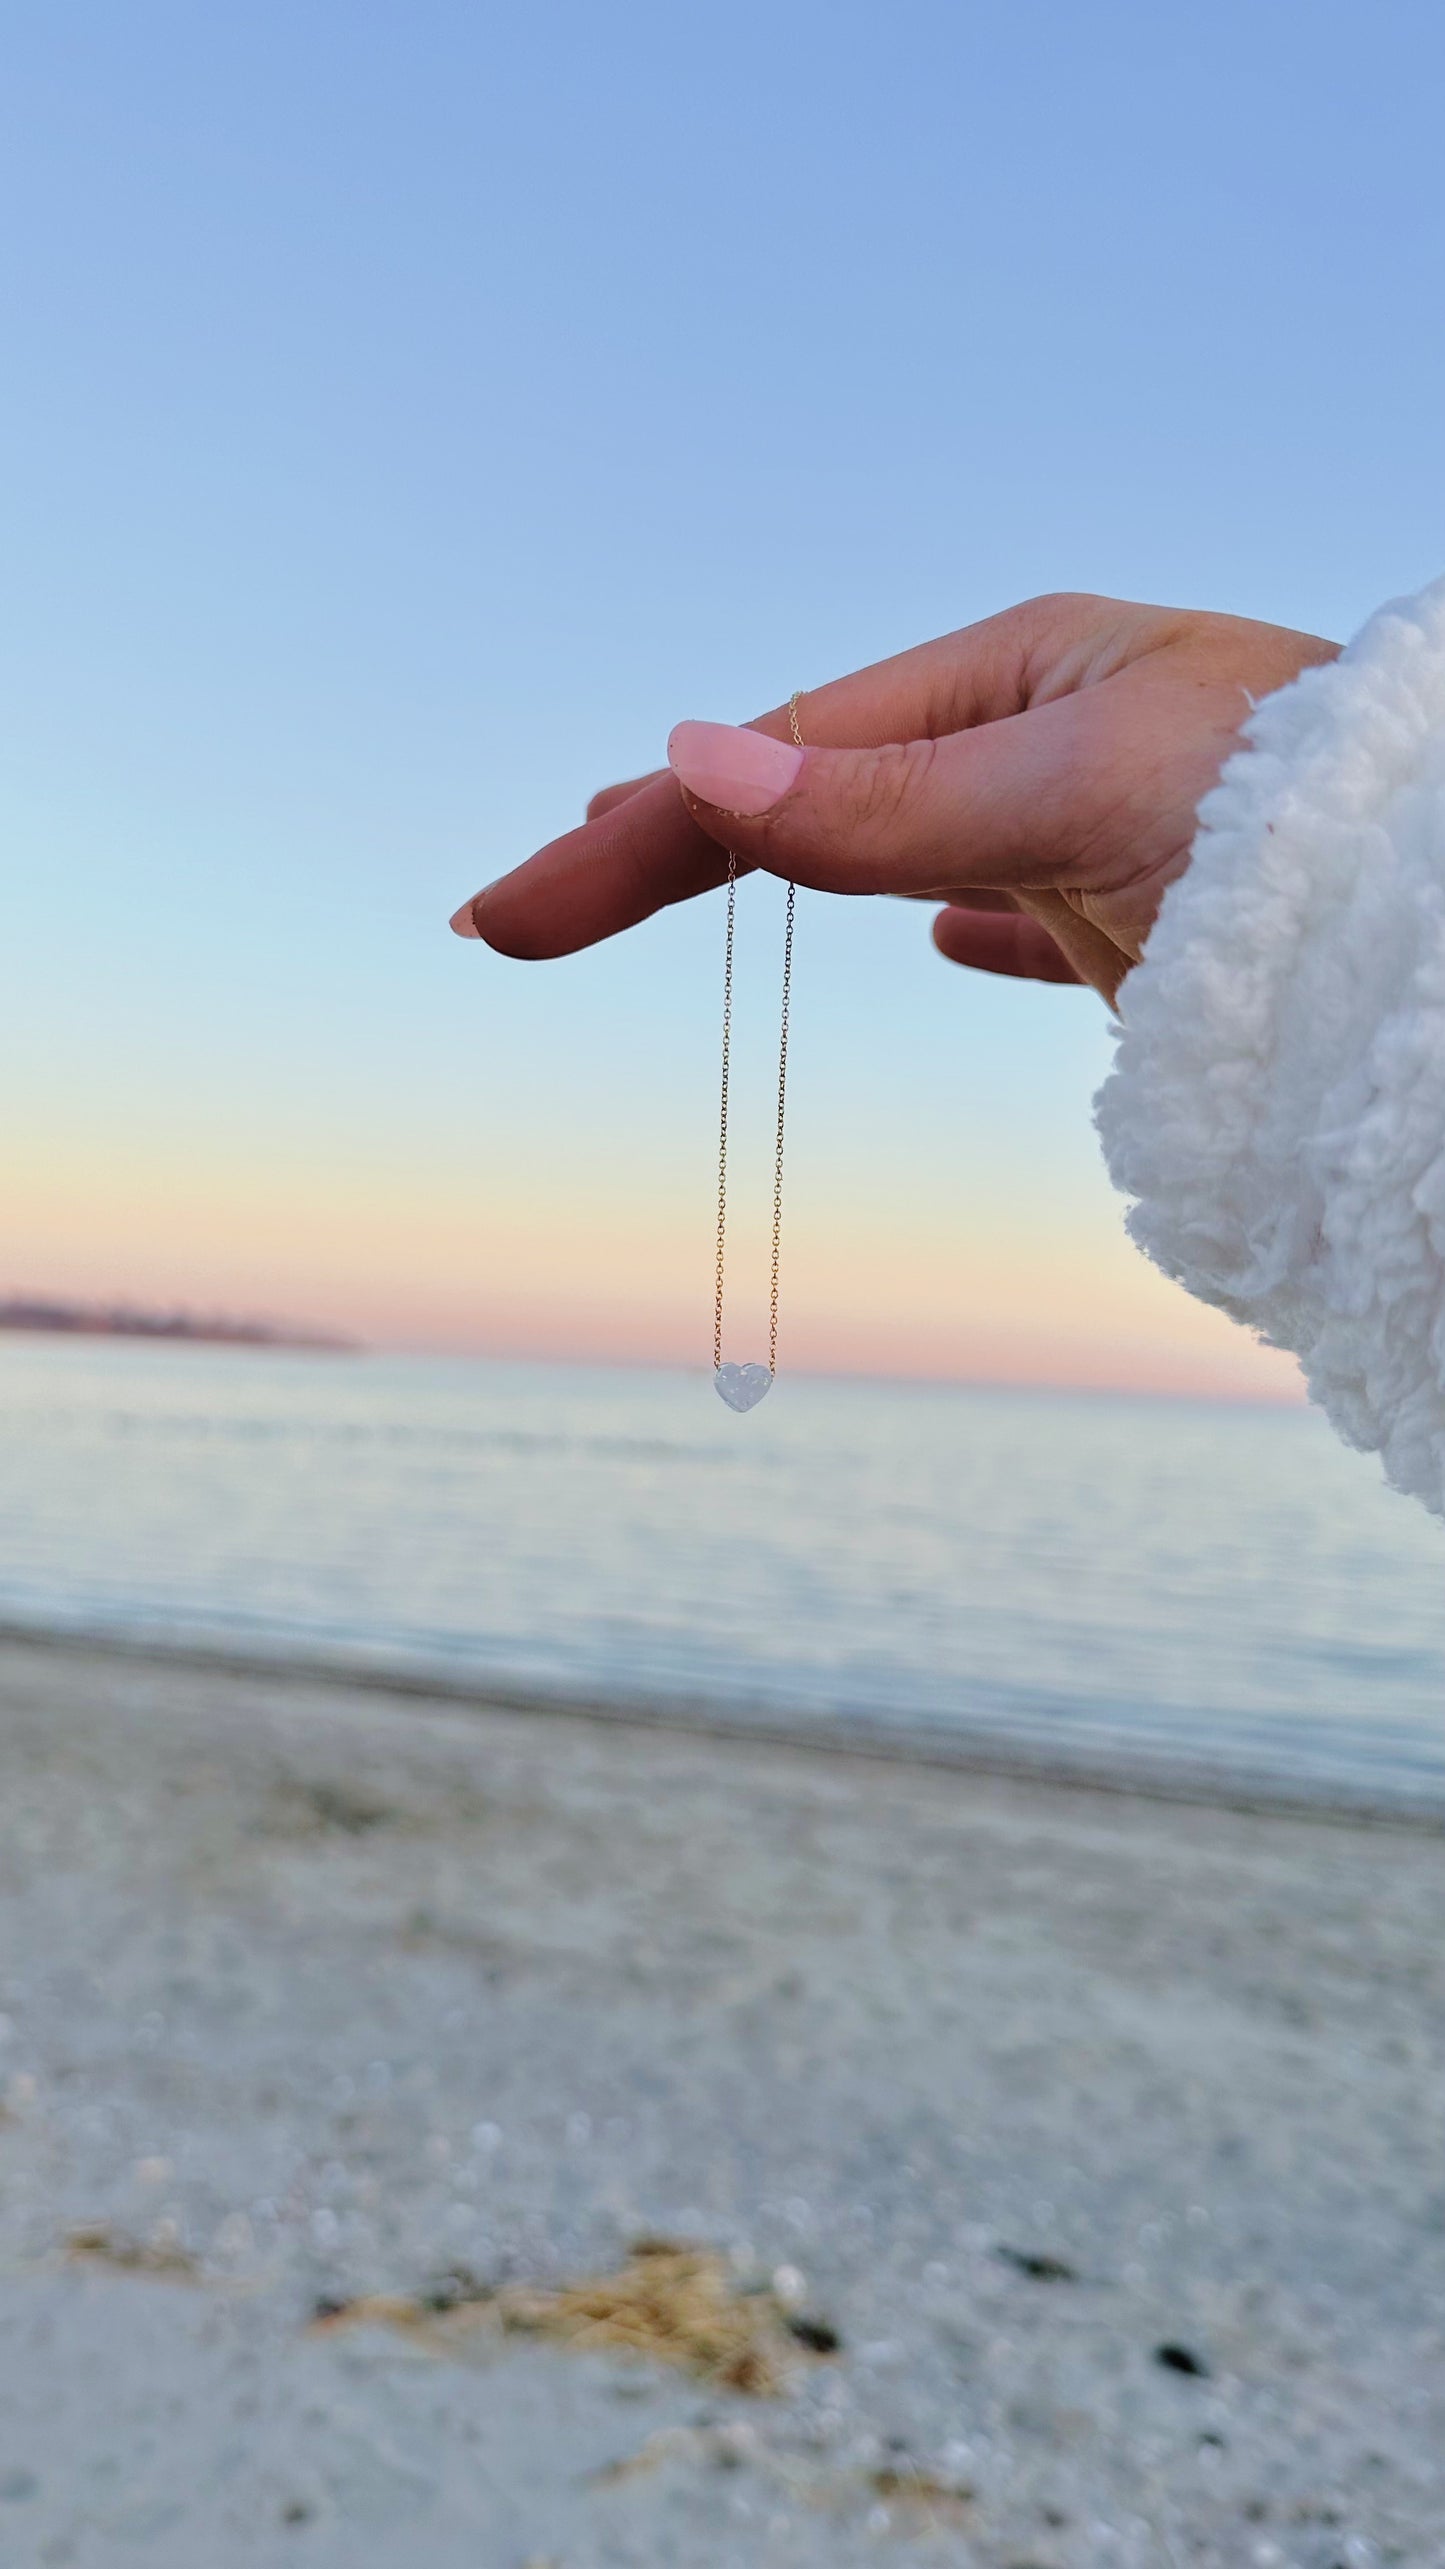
743,1386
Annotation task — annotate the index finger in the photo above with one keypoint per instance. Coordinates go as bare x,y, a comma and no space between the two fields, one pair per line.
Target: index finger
639,856
640,850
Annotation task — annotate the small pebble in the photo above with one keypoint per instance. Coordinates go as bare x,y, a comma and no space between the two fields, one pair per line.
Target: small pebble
1043,2268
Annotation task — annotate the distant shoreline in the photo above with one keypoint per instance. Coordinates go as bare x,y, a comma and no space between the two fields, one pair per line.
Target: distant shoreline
34,1316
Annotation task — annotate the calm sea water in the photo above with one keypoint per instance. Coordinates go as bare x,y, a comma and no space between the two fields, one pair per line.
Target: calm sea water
1136,1580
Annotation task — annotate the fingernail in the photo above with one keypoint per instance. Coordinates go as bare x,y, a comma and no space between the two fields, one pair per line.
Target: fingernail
463,922
738,770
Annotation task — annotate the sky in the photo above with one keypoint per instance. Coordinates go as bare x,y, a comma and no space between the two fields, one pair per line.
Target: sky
406,415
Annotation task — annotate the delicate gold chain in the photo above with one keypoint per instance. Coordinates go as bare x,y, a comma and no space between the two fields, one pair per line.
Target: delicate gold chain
722,1148
722,1157
778,1160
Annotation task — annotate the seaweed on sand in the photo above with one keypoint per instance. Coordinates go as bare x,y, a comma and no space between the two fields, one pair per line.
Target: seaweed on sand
666,2304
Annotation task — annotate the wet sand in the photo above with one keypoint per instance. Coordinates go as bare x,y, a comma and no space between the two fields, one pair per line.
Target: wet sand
1080,2158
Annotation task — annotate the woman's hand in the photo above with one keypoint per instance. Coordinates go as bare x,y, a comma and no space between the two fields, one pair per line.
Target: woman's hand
1037,773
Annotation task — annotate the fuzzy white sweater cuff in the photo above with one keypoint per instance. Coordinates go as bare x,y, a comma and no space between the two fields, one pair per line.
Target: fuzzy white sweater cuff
1277,1105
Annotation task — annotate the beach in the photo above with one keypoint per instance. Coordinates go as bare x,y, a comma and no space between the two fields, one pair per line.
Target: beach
1069,2161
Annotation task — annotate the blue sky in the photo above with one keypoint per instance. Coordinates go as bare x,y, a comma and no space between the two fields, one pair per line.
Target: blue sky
409,414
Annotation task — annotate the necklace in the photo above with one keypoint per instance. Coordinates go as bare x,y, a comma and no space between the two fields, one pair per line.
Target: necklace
743,1386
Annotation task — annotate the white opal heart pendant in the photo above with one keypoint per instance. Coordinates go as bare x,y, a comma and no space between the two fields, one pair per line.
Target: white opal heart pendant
742,1386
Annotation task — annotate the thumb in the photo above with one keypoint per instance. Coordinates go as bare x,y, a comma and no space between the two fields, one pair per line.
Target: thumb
970,808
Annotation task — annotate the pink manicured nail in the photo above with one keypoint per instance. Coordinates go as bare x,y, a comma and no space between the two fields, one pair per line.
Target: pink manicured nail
739,771
464,921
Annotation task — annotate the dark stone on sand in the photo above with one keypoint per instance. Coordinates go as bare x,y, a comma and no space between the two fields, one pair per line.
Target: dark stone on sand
1035,2262
454,2290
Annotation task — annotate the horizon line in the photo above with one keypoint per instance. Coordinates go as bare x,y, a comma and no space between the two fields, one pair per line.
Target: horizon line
1230,1395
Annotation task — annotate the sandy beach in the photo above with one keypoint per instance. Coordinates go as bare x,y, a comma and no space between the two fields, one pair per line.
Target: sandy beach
1025,2176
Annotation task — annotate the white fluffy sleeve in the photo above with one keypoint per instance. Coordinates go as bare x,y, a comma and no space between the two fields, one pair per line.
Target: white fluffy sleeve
1277,1105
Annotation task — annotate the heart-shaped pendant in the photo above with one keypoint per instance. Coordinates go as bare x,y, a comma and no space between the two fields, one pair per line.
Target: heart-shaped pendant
742,1386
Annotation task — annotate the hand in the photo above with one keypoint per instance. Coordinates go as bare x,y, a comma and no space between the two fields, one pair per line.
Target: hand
1037,773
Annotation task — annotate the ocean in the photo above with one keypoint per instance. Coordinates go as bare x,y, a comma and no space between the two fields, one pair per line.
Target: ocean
1148,1587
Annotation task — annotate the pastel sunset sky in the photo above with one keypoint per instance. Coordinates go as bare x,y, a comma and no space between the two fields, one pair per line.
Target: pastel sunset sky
411,413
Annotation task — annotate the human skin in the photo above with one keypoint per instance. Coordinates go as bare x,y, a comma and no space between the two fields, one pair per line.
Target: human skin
1036,774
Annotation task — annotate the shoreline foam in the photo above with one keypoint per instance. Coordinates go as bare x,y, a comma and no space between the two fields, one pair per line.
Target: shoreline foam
1118,1767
